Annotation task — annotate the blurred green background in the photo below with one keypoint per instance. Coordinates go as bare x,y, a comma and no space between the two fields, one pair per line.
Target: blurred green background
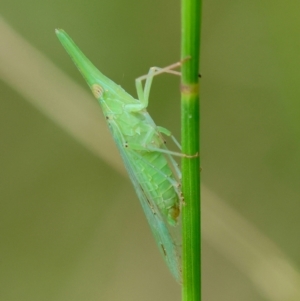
71,227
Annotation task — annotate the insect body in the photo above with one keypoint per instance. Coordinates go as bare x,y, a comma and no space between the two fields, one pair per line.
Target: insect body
151,168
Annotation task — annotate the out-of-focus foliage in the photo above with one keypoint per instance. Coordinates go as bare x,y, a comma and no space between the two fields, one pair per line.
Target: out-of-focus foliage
70,224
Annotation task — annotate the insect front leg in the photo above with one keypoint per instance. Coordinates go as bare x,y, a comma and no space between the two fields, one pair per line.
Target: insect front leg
143,93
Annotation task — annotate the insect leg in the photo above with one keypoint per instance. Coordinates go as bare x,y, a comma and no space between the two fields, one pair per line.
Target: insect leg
167,69
169,134
166,151
143,93
150,148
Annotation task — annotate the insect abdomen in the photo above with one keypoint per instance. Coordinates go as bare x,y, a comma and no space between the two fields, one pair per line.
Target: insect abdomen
158,179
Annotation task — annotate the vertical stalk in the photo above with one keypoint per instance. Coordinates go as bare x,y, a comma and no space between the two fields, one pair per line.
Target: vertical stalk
190,133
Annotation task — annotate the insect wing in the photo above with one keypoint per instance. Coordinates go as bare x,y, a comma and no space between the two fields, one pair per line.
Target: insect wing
164,238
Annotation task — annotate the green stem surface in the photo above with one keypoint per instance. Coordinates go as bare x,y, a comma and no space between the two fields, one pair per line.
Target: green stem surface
190,133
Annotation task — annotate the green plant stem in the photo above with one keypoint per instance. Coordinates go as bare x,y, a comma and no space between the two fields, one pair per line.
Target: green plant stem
190,133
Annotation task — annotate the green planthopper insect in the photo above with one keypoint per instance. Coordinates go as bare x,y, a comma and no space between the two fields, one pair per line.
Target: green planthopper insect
151,167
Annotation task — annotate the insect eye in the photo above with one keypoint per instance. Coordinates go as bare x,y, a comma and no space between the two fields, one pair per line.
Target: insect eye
97,90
